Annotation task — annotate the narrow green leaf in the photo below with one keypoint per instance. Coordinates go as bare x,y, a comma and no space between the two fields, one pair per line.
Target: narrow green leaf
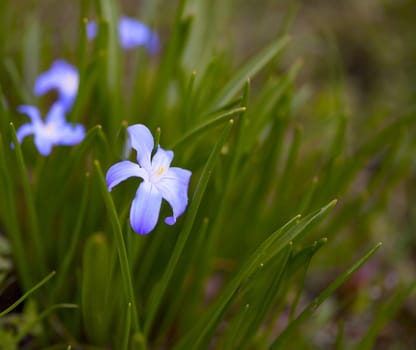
249,70
121,248
340,336
69,256
108,12
193,262
287,175
234,334
271,102
24,331
170,61
125,340
302,261
223,117
308,195
30,48
265,301
29,292
384,314
96,269
188,100
108,50
11,222
277,241
82,149
30,202
282,339
234,159
17,83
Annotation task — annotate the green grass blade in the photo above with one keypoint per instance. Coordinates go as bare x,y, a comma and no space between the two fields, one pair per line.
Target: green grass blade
188,100
264,302
340,336
11,222
17,84
199,336
24,331
284,337
121,248
188,224
108,51
125,340
29,292
289,168
69,256
249,70
82,149
237,325
384,314
97,264
222,118
30,202
170,61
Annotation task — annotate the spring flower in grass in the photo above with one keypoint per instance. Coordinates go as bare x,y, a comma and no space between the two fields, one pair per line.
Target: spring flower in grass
53,131
63,77
160,180
132,33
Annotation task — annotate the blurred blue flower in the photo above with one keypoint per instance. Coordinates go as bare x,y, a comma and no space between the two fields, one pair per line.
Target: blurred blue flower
54,131
132,33
63,77
159,181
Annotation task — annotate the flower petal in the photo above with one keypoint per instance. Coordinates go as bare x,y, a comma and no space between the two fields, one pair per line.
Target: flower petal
70,135
142,141
23,131
162,158
56,114
32,112
145,208
61,76
134,33
43,144
122,171
173,187
91,30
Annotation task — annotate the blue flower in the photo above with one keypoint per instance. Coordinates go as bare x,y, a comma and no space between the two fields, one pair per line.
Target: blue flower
63,77
160,180
132,33
53,131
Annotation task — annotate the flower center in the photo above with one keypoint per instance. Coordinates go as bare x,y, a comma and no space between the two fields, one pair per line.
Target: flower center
50,128
157,174
161,170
